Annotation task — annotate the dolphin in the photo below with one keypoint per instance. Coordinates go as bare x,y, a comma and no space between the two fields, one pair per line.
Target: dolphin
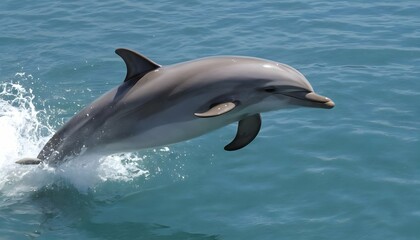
161,105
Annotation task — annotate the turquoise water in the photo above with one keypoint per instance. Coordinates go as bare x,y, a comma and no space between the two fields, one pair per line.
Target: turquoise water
347,173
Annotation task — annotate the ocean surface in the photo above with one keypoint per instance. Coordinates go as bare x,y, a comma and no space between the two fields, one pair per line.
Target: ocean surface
352,172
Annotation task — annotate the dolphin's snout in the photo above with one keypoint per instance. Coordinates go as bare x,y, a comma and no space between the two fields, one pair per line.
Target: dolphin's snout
330,104
311,99
324,101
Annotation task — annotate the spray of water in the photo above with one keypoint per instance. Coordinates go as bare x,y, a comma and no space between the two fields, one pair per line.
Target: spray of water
23,132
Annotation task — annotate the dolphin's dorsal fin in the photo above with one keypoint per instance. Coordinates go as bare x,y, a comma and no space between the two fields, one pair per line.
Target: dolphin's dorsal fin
217,110
137,64
248,129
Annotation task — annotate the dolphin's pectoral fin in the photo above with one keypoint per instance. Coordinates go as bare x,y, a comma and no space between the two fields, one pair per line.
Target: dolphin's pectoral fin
248,129
137,64
217,110
29,161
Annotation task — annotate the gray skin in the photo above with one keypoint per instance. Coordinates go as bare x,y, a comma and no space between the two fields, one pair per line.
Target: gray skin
157,106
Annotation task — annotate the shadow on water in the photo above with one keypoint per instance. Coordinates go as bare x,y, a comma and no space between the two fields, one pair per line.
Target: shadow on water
125,230
65,212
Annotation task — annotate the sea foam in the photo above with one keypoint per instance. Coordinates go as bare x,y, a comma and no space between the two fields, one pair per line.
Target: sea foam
24,130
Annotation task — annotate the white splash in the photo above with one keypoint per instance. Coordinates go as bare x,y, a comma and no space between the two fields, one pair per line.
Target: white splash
23,132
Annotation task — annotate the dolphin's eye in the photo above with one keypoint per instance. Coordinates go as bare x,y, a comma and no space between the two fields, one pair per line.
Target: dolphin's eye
270,89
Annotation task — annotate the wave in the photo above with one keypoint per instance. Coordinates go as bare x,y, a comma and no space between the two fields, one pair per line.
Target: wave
24,130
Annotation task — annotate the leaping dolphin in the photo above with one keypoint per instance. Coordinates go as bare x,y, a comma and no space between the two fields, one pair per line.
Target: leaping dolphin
160,105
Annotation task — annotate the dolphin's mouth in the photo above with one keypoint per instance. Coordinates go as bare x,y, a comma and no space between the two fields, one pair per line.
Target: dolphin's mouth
311,99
